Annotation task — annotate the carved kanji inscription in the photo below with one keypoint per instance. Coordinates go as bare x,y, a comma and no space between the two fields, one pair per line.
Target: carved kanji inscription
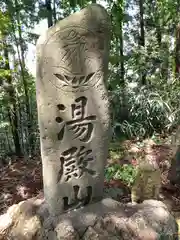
74,162
80,125
78,202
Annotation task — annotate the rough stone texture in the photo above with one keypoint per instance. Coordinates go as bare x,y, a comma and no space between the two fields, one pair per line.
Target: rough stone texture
105,220
174,169
109,219
73,108
148,177
174,172
21,221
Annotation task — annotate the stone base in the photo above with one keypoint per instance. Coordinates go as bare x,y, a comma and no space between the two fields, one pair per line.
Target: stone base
105,220
109,219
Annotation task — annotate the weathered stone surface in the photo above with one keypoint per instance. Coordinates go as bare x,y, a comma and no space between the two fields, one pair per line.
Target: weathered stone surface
21,222
73,108
109,219
105,220
65,231
148,177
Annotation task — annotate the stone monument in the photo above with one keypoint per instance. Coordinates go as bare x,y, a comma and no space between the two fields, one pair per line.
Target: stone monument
73,108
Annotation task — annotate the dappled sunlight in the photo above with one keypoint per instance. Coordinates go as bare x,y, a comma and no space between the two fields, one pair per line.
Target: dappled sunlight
118,66
20,181
128,152
23,180
23,191
5,221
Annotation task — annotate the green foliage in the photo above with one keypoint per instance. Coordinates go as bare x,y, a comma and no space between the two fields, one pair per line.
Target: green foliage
137,111
4,23
142,111
150,110
126,173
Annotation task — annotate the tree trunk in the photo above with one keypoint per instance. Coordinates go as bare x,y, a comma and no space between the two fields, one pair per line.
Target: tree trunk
49,13
177,52
121,43
54,11
12,107
158,35
20,51
142,36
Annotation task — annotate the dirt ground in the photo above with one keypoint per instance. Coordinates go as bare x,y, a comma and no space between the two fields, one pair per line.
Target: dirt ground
22,179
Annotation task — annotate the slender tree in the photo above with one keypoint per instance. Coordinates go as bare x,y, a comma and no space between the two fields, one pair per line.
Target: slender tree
142,35
49,13
12,106
177,52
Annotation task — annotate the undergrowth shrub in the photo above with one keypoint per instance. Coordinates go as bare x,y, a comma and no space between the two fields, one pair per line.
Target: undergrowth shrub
126,173
142,111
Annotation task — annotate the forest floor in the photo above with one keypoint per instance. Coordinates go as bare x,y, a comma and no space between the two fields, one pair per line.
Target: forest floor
22,179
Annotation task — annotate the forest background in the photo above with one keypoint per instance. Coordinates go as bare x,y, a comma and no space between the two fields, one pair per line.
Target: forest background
143,82
144,67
